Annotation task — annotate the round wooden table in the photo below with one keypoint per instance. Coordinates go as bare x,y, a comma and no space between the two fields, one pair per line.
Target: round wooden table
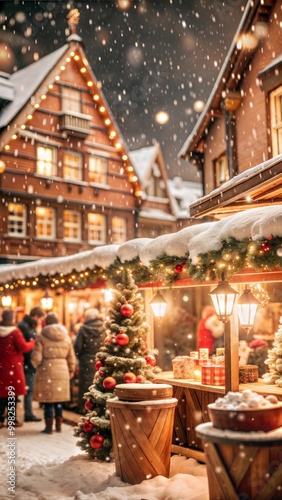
245,465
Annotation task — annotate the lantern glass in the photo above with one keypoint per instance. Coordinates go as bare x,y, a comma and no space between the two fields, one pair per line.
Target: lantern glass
223,297
159,305
247,308
47,302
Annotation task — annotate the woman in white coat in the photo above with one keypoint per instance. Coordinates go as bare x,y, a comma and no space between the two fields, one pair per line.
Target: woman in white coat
54,359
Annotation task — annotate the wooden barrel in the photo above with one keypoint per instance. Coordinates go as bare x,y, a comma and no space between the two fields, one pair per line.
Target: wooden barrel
242,465
142,436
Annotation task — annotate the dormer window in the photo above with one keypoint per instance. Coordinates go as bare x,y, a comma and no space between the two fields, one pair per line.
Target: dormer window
276,120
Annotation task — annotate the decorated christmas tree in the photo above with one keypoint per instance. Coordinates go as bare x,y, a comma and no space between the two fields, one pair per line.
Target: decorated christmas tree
274,359
124,358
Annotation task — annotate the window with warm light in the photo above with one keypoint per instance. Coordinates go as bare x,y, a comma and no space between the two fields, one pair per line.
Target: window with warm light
97,169
221,170
72,225
71,100
72,166
96,229
45,223
45,164
276,120
16,219
118,230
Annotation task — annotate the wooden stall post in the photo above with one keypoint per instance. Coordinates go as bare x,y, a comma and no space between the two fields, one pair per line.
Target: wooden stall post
231,346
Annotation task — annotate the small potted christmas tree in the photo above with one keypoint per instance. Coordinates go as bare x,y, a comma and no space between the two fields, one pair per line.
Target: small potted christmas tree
274,359
124,358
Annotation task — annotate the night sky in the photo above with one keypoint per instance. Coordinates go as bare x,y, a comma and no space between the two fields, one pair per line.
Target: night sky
150,55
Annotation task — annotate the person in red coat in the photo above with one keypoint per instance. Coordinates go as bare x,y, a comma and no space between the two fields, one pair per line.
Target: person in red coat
210,329
12,380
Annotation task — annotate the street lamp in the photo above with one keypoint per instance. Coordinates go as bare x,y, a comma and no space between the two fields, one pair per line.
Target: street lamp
6,300
159,305
247,308
47,302
223,297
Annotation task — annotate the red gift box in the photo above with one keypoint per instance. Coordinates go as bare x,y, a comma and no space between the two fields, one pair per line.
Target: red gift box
213,375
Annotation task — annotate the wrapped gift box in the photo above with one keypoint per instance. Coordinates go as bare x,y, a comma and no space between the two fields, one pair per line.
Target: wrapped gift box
183,367
213,375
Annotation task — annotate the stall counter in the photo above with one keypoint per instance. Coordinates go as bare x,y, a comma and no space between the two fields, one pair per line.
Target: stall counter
193,398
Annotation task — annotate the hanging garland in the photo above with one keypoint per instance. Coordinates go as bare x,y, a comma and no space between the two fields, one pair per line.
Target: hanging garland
234,256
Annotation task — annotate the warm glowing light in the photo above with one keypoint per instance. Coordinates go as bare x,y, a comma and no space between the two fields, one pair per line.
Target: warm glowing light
129,168
247,308
72,54
7,147
118,145
50,86
123,4
247,41
14,136
23,127
62,68
36,105
57,78
159,305
82,70
198,106
249,199
47,302
112,134
107,121
6,300
102,109
223,297
29,117
68,59
124,157
96,97
76,57
139,193
133,178
162,117
90,83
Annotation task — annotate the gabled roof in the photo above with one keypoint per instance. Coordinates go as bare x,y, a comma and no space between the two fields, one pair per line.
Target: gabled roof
31,82
143,160
259,186
235,63
183,194
26,81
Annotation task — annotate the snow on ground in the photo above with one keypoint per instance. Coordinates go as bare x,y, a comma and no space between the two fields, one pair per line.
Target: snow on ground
52,467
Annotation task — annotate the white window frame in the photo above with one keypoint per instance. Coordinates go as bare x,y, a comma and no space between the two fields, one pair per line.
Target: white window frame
69,169
48,222
71,100
48,168
97,166
97,227
17,219
276,120
119,233
72,225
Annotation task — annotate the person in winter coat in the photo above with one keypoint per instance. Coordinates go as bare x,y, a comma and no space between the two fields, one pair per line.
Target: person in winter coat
87,344
54,359
28,328
210,329
12,380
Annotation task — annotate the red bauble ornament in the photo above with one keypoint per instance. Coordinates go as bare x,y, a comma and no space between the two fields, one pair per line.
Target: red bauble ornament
129,378
109,383
87,426
150,360
96,441
126,310
98,365
88,405
101,374
140,379
122,338
179,268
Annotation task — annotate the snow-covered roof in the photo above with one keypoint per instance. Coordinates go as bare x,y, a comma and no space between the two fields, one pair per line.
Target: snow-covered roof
142,160
194,240
26,81
183,194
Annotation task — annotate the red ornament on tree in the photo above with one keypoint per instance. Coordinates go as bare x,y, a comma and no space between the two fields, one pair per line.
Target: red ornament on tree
98,364
140,379
179,268
96,441
109,339
87,426
122,338
88,405
109,383
129,378
150,360
126,310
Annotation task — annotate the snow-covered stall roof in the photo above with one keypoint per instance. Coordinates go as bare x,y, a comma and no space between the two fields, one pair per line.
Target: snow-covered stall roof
193,242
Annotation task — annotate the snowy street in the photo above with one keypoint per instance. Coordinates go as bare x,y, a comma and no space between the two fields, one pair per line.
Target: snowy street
50,467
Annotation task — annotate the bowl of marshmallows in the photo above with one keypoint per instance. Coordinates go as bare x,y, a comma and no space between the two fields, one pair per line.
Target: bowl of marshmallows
246,411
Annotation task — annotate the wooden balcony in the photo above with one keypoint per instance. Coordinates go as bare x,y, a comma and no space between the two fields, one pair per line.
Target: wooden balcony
75,123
